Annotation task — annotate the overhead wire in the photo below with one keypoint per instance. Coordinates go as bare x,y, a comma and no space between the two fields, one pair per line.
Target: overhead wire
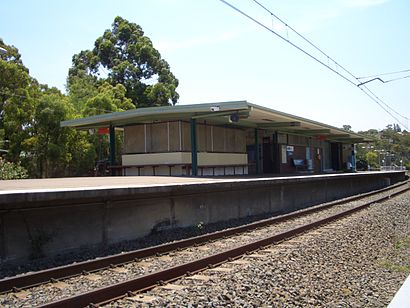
289,42
305,39
372,96
398,78
383,74
375,97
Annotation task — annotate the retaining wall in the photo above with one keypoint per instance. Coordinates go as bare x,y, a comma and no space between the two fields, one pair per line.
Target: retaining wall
60,221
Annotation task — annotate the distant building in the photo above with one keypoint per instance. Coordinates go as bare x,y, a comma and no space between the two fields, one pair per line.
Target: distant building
226,138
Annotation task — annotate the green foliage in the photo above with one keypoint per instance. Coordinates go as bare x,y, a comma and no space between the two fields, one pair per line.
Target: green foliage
123,55
403,244
372,159
30,119
108,99
391,147
199,228
11,171
46,144
81,90
399,260
347,128
123,71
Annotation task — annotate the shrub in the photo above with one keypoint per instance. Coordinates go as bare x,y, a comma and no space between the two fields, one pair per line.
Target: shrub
11,171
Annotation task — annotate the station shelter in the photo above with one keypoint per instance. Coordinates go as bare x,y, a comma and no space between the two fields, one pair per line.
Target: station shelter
225,138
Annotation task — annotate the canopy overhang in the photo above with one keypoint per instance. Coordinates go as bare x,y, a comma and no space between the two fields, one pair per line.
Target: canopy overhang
236,113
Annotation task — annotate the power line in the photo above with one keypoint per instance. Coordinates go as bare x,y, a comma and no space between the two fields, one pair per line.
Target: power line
381,80
398,78
380,100
286,40
305,39
374,97
383,74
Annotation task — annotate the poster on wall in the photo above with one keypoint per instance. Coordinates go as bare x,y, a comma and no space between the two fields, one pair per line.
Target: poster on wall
290,149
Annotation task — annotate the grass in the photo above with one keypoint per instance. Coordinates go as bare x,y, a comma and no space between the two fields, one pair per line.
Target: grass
402,248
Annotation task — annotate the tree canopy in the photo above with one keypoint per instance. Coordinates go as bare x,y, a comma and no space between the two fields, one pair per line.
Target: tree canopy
30,132
391,147
124,55
123,71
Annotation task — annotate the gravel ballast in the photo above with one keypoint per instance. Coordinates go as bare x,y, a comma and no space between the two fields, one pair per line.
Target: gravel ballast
360,261
303,271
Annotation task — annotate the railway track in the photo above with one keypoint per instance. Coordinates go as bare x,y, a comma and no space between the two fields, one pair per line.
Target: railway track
170,261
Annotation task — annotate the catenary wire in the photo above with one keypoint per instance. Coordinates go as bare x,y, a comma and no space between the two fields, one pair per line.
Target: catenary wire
374,97
343,68
398,78
286,40
305,39
380,100
383,74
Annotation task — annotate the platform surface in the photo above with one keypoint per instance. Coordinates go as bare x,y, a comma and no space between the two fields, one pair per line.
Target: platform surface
402,297
110,182
97,182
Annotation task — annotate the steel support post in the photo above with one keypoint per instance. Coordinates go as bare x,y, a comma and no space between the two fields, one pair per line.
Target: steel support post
354,157
257,150
112,145
194,150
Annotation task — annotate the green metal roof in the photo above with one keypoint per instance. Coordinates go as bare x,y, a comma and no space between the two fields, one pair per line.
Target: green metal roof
248,115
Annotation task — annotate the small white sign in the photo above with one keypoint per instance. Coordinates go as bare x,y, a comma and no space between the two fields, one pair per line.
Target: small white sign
284,157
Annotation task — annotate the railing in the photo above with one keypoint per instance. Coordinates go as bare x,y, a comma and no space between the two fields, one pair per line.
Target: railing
120,170
233,169
392,168
214,168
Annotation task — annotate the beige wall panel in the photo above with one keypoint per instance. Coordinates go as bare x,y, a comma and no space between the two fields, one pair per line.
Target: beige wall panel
174,140
230,140
134,139
209,138
222,159
219,139
186,136
156,158
240,141
159,137
201,137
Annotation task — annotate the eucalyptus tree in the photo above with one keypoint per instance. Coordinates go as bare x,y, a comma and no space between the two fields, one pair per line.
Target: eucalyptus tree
124,55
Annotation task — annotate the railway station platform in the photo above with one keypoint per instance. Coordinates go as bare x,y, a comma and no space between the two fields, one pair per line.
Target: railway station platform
57,216
401,298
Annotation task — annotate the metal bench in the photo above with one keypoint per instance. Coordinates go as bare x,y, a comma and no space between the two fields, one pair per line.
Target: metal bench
300,164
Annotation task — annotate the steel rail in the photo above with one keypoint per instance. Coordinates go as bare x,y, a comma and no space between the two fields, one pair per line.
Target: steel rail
62,272
146,282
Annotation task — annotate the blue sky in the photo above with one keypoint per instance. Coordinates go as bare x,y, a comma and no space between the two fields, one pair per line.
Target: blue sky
219,55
